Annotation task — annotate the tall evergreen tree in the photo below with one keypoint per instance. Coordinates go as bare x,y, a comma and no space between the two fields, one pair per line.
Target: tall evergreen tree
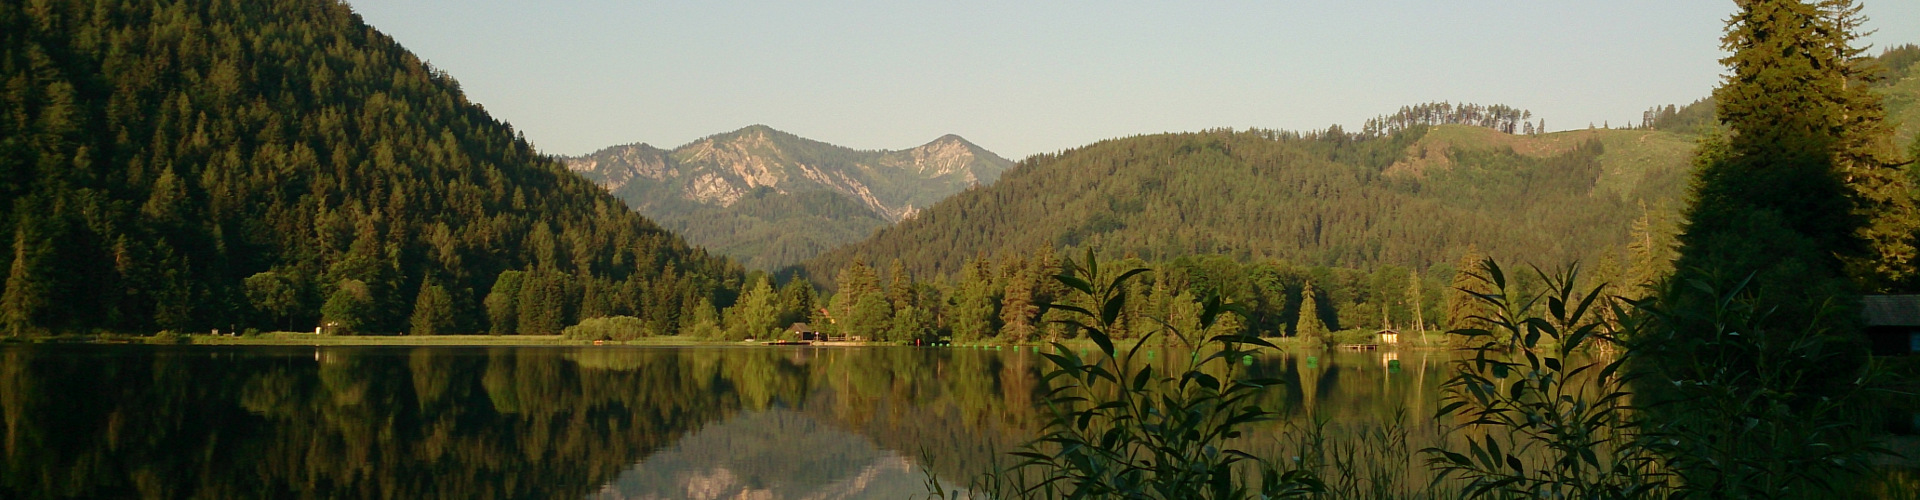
23,296
973,313
1017,306
1782,196
432,311
1310,326
1461,306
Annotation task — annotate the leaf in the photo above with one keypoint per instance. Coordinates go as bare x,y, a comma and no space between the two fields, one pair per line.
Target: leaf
1100,338
1111,310
1075,283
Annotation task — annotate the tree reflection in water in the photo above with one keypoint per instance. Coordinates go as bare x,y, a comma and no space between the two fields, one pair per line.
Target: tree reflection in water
520,422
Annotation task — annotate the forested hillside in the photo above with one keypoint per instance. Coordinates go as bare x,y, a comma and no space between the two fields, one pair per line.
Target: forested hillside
1415,197
771,199
274,164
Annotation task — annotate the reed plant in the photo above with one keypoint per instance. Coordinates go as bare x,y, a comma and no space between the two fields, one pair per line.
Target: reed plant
1542,417
1119,428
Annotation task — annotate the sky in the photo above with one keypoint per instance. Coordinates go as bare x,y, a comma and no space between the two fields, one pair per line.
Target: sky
1026,77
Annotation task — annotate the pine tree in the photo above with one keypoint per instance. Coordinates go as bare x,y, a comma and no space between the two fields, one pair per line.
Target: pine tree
23,297
972,314
1867,157
1310,326
1462,306
899,285
1017,307
432,311
1650,244
1779,199
871,317
796,303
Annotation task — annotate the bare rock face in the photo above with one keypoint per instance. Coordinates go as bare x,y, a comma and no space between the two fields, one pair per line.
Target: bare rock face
711,175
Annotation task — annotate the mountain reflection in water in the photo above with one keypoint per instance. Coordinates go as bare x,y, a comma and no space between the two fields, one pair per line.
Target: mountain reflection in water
541,422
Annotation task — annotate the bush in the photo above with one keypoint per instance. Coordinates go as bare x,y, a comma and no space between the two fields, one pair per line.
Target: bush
167,337
1122,428
1353,337
611,328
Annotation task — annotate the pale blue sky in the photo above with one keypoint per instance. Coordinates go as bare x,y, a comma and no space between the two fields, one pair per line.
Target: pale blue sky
1025,77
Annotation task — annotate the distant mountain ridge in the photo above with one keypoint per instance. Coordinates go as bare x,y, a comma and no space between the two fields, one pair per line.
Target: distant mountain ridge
719,191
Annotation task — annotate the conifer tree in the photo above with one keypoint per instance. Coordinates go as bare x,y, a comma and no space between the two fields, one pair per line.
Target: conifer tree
796,303
1461,306
899,285
432,311
23,296
1798,193
871,317
1309,326
1017,305
972,314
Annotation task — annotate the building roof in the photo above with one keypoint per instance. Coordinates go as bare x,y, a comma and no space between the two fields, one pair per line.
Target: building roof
1890,310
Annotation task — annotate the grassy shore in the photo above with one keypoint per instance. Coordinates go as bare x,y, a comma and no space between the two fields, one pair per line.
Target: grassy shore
295,338
304,338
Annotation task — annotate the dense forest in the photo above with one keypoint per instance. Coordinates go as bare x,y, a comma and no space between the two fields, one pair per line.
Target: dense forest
1415,198
278,164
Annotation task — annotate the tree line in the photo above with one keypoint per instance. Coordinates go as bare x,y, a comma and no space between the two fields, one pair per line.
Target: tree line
1497,116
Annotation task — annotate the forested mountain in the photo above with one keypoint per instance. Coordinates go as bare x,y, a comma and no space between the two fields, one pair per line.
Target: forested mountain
1413,189
1413,198
278,164
771,199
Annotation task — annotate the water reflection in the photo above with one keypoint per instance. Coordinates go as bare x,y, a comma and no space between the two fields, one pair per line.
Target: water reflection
733,422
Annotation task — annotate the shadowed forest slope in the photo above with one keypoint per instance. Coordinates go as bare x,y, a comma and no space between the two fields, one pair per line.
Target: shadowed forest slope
232,164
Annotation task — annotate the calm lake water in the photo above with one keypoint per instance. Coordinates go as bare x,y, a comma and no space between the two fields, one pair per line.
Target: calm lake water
548,422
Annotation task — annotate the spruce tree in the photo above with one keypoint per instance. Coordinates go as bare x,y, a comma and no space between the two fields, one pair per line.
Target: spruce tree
1017,306
432,311
973,314
1797,194
23,296
1309,326
1461,306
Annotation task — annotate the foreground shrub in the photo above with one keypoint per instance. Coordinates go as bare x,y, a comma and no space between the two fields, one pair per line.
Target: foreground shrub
1120,429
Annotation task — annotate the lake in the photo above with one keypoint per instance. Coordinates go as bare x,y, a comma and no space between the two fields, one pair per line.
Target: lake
565,422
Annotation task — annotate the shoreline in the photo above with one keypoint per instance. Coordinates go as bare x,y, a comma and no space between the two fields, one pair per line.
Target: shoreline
310,339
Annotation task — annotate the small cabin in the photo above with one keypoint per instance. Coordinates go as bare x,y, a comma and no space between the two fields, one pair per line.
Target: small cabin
804,331
1387,337
1893,323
